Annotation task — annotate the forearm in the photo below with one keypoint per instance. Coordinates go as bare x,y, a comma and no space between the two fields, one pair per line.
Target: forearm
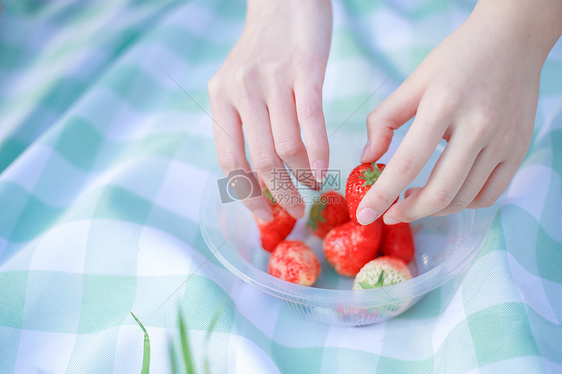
536,24
257,8
312,17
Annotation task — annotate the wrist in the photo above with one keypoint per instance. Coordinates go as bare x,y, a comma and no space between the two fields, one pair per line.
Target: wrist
259,9
533,24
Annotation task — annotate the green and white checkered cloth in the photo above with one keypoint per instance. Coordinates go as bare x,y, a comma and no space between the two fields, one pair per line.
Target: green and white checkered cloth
103,159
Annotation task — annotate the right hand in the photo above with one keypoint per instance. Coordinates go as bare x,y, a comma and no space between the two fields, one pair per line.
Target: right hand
271,84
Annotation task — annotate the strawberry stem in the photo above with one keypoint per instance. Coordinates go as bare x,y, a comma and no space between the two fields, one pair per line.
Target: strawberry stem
371,175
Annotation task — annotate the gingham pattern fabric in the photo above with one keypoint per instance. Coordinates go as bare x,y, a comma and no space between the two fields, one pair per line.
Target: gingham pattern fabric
103,159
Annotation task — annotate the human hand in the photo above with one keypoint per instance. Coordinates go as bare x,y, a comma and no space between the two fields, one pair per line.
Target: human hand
478,90
271,85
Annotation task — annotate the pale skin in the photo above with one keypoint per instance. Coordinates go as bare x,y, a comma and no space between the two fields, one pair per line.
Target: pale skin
478,90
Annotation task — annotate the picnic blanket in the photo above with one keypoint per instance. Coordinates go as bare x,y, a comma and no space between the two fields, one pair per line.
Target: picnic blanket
105,148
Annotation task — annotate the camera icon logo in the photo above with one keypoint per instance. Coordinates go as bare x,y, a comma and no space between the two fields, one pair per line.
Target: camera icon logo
239,185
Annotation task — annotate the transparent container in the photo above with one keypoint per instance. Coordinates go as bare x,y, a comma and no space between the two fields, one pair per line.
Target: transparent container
445,246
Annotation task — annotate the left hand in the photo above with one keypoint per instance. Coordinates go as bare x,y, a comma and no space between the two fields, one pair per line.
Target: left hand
478,90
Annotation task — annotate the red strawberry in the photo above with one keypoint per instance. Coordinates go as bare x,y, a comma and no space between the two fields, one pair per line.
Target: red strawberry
350,246
294,262
329,212
358,183
397,241
380,272
276,230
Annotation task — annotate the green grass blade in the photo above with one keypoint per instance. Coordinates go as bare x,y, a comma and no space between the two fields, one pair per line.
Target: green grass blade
189,368
210,329
146,354
215,319
173,364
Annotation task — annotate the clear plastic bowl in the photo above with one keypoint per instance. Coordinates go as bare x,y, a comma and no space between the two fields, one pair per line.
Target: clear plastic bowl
445,246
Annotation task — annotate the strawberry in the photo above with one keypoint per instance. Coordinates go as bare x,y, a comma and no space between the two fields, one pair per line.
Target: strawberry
329,212
276,230
397,241
350,246
295,262
358,183
380,272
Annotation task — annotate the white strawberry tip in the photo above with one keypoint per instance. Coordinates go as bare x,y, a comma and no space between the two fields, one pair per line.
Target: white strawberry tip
375,274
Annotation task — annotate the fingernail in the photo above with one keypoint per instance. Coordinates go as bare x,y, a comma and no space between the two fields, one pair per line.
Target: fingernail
366,216
390,220
319,171
296,211
365,151
263,214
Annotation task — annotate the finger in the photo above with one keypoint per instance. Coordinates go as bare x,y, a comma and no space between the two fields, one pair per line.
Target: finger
496,185
445,181
266,162
412,154
392,113
308,99
410,191
479,174
287,138
229,143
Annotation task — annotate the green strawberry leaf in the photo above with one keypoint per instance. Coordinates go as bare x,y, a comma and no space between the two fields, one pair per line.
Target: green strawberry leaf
365,285
371,175
268,194
379,281
316,215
